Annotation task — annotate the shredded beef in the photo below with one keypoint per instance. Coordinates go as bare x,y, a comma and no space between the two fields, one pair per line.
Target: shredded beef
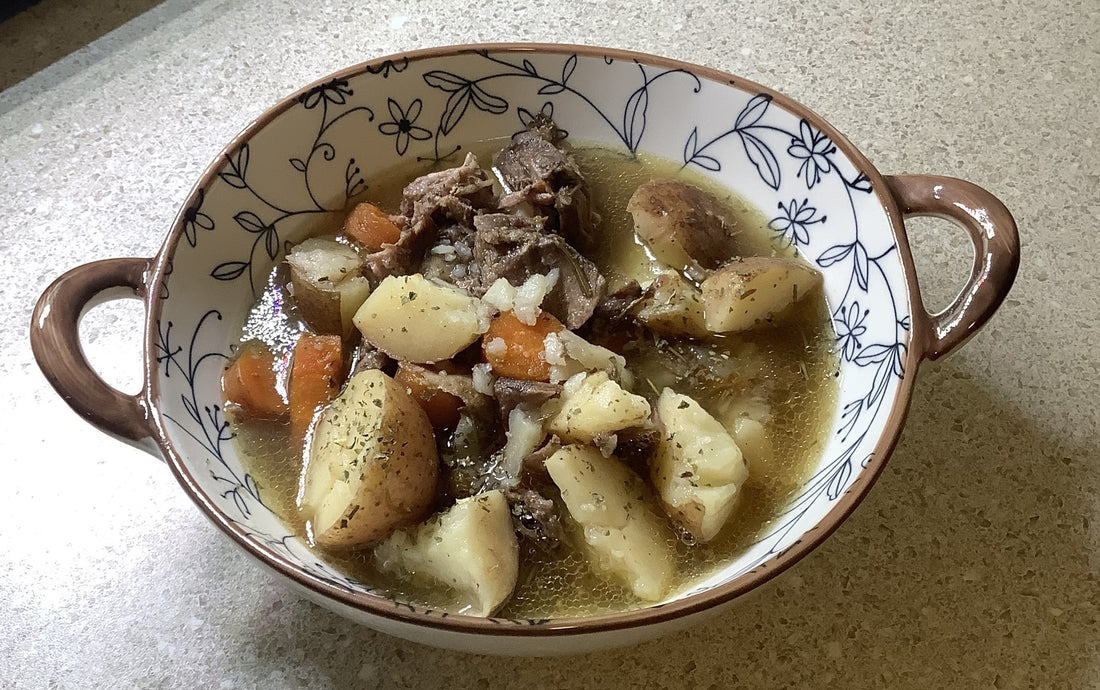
453,194
636,445
533,466
515,248
429,204
535,170
535,518
367,357
511,393
451,259
618,304
531,160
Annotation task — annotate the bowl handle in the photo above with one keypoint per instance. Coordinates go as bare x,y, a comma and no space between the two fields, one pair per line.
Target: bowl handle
55,340
996,254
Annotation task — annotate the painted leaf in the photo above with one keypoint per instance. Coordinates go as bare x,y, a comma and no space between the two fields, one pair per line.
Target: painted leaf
834,254
634,117
551,89
707,162
529,68
874,354
487,101
761,158
753,111
250,222
862,265
690,145
271,242
454,110
839,480
445,80
862,183
567,68
230,270
233,180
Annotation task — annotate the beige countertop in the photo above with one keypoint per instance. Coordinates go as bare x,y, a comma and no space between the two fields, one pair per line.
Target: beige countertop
973,563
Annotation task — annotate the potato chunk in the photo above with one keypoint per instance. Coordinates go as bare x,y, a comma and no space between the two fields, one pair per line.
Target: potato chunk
685,227
593,404
752,438
372,464
745,293
470,548
327,287
698,469
569,355
625,540
413,319
672,307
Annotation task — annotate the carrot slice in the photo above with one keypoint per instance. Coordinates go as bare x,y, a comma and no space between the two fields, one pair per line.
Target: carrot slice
249,383
441,407
315,377
517,350
370,227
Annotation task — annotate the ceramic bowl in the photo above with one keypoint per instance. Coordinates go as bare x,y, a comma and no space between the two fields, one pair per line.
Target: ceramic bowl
303,159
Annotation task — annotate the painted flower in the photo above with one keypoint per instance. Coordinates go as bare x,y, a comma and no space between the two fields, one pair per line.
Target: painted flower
334,91
402,124
813,148
194,220
792,222
849,329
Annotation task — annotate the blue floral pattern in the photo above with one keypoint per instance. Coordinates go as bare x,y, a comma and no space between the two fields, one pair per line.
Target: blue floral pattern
825,206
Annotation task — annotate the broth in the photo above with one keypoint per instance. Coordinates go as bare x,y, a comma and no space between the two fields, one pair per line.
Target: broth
792,368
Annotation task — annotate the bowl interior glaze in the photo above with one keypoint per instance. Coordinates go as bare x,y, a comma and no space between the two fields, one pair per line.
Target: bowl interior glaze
298,164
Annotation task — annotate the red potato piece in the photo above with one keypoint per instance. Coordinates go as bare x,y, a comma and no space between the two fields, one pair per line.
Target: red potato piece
683,225
373,465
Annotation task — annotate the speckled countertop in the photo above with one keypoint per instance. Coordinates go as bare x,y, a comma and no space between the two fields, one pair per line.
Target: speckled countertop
974,562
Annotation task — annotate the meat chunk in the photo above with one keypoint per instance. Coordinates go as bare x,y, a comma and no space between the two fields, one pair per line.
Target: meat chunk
430,203
516,248
535,518
474,404
617,305
451,258
391,260
532,165
534,169
368,356
453,194
510,393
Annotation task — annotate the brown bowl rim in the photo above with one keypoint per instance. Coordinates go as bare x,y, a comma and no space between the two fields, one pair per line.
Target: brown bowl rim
679,608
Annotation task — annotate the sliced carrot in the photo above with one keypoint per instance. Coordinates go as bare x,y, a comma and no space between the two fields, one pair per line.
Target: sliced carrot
315,377
370,227
249,382
517,350
441,407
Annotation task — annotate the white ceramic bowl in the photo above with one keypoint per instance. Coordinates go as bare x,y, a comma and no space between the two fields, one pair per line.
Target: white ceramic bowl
308,154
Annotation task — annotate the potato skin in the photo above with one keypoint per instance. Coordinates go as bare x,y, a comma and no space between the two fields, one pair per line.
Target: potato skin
326,286
749,292
374,449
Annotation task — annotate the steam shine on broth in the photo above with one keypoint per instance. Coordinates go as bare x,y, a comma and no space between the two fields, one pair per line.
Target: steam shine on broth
775,380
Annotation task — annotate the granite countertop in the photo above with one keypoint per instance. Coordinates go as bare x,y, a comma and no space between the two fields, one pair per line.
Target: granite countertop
975,560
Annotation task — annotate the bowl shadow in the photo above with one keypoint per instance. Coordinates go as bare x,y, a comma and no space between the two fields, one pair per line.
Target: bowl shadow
966,566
